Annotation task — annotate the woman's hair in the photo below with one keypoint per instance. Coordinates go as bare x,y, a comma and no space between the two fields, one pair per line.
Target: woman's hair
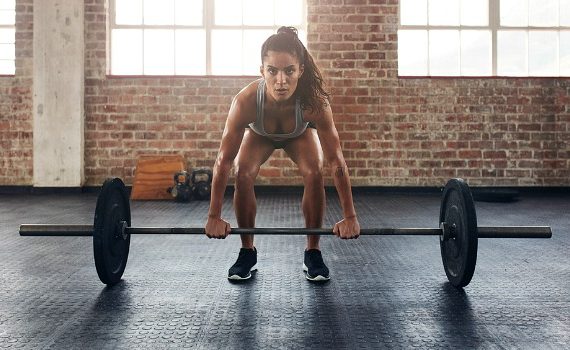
310,89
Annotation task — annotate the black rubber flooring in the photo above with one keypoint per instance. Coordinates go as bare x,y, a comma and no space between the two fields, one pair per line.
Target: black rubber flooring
385,292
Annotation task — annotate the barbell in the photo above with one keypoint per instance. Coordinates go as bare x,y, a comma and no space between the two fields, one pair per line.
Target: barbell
458,231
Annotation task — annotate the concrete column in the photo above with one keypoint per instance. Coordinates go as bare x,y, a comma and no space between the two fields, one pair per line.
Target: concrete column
58,93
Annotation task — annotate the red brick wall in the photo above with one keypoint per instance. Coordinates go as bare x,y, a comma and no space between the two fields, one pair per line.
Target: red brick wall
394,131
16,106
423,131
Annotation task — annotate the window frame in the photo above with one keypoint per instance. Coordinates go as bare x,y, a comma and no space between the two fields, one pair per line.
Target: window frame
13,27
494,27
208,25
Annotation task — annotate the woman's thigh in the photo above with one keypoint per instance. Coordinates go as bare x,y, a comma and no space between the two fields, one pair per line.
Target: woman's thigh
306,152
253,152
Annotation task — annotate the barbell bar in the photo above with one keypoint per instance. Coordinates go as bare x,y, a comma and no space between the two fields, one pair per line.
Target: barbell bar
458,231
55,230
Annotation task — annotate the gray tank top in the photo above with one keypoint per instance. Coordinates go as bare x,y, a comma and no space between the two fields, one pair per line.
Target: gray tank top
257,126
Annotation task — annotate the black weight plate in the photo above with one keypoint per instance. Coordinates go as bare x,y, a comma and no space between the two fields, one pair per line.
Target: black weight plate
459,253
111,250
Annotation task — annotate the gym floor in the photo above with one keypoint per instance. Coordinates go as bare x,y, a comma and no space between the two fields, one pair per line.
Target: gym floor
385,292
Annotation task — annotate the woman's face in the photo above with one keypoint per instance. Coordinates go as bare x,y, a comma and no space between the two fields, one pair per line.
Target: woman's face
281,72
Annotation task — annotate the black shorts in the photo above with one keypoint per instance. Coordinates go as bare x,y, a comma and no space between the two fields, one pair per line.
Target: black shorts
280,144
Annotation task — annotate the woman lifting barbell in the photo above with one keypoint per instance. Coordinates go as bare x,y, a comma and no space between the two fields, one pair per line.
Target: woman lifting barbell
288,108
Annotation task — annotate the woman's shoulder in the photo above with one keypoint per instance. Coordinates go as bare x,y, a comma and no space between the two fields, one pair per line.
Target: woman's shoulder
249,93
245,101
314,115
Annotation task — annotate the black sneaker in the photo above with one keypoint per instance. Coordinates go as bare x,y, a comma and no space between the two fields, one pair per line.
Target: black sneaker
314,266
245,263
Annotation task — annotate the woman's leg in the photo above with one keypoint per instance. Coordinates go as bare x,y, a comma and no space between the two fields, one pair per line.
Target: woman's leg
306,152
253,152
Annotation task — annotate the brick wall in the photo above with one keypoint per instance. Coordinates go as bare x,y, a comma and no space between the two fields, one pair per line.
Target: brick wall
423,131
16,106
393,131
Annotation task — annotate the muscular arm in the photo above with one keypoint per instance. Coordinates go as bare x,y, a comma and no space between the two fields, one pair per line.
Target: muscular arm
229,147
332,151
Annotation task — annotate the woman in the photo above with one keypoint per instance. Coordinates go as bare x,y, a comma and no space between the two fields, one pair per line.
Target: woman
286,109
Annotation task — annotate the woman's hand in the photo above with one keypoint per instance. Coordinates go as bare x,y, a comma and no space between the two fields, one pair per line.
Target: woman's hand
347,228
217,228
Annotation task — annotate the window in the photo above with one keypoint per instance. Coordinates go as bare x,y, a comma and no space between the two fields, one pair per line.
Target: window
7,37
196,37
484,38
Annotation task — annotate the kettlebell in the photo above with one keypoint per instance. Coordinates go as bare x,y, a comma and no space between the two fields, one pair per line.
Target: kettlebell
201,183
181,191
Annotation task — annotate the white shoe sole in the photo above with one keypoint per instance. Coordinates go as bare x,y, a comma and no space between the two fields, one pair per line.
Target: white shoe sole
239,278
318,278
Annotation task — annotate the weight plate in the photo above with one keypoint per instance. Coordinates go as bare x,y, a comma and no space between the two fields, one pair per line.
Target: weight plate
110,246
459,253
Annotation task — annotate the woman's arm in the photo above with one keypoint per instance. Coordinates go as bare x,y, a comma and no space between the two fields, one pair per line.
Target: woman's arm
330,143
229,147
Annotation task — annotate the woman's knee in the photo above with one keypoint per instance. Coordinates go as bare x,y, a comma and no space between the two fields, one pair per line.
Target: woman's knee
312,175
245,176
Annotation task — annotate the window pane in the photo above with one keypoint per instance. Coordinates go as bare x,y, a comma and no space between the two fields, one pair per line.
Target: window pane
159,51
512,53
476,58
475,12
258,12
543,53
565,53
126,51
543,13
159,12
252,41
302,34
413,12
228,12
168,36
227,52
7,52
7,17
444,52
443,12
128,11
7,67
7,4
7,36
412,52
565,13
514,13
190,51
189,12
289,12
